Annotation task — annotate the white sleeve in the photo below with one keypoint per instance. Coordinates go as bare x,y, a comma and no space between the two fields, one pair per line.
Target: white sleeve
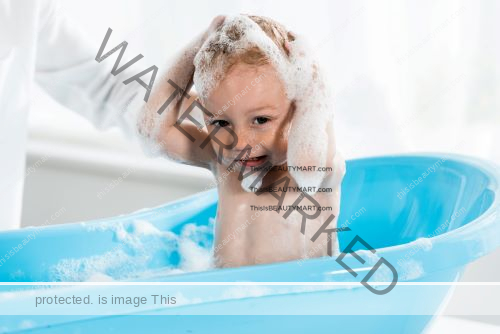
66,68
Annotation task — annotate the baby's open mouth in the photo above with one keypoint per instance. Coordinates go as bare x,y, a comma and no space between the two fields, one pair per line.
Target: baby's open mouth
254,161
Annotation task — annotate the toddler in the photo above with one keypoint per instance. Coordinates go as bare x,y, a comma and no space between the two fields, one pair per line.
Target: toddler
267,137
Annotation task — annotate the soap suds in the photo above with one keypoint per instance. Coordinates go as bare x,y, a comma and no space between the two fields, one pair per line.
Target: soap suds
424,243
368,256
115,264
410,270
140,245
382,274
236,35
194,247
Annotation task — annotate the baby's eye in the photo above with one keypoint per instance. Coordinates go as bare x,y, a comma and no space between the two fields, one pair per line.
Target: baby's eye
260,120
220,122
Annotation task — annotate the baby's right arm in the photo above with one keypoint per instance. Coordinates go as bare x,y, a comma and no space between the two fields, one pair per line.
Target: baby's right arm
160,127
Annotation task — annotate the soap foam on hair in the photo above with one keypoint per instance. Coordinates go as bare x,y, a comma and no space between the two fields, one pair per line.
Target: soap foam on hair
303,81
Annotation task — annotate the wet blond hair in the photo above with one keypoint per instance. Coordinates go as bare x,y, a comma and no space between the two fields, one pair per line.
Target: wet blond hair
253,55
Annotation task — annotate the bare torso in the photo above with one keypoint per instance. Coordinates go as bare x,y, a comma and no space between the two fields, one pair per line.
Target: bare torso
245,235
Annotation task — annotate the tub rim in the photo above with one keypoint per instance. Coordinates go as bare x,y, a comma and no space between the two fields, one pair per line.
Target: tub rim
486,220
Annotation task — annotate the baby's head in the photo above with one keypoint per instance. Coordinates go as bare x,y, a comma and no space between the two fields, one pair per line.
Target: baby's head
241,75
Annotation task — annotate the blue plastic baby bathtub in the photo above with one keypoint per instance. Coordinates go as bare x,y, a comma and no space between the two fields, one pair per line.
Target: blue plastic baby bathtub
429,216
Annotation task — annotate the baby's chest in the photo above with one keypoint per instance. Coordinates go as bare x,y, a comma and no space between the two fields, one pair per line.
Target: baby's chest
274,203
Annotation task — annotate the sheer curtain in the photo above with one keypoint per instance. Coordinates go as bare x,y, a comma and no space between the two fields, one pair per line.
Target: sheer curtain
408,76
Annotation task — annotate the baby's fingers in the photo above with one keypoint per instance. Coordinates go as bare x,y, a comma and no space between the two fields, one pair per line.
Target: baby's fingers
216,23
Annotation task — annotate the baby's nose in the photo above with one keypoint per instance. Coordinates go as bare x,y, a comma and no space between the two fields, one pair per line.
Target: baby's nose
244,138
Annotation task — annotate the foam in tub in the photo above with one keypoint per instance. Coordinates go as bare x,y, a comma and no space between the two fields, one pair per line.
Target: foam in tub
411,270
140,241
391,227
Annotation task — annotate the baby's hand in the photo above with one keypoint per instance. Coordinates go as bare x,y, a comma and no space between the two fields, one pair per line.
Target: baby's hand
214,25
212,28
311,141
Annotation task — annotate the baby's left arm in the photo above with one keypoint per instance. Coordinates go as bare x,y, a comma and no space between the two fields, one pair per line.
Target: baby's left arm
159,121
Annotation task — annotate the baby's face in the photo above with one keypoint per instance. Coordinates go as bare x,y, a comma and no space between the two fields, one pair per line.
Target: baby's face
252,102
